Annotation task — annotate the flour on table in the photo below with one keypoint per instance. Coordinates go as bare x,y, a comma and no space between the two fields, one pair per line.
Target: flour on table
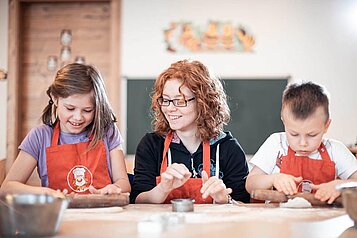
102,213
296,202
94,210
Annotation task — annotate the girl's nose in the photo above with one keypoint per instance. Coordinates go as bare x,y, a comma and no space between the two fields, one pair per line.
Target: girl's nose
77,115
171,107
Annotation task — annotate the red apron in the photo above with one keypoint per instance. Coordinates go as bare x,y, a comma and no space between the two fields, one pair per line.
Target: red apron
192,187
73,167
316,171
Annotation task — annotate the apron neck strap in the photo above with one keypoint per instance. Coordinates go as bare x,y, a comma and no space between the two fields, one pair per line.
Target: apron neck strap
206,158
167,143
322,151
206,154
55,135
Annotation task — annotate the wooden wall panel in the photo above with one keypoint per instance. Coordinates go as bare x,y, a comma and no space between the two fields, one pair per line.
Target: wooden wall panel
2,170
34,34
42,24
13,118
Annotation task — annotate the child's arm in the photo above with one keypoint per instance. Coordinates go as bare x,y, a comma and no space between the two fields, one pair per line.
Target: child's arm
120,177
346,167
327,191
258,179
20,172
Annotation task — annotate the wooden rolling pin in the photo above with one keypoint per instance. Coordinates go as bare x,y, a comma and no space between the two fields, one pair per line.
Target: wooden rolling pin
97,200
275,196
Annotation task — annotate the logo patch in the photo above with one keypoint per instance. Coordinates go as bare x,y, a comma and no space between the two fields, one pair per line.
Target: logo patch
79,178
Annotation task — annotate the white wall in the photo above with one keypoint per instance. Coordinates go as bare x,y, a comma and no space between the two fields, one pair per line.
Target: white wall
310,40
3,84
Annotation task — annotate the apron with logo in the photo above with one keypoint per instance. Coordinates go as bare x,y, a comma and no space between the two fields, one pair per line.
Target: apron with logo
73,167
192,187
312,170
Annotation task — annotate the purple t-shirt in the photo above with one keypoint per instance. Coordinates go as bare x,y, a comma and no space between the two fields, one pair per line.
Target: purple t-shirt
39,138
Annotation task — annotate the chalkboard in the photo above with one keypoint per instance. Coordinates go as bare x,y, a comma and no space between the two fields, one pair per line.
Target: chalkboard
254,103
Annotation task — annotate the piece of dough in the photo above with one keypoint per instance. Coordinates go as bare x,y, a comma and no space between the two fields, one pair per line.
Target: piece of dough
296,202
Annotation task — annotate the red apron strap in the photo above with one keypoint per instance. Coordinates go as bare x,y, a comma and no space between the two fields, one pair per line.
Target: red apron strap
167,143
206,158
206,154
290,152
323,152
55,136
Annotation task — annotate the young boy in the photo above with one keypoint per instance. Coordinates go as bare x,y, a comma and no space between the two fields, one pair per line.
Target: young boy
300,156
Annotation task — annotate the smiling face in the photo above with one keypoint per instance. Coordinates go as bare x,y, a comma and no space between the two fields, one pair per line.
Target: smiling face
305,135
181,119
75,112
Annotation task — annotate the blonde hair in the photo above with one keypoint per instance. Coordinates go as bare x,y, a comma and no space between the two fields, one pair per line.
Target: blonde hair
81,79
212,108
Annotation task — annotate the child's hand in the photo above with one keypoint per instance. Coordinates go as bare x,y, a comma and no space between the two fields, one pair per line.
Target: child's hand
174,176
109,189
215,188
326,191
286,183
56,193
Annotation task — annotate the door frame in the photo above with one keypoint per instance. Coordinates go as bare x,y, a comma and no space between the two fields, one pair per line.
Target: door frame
113,84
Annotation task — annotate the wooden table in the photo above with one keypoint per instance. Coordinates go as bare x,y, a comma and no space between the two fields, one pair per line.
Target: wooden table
251,220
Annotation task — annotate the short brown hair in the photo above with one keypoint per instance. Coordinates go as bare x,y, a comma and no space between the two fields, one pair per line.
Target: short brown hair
212,108
304,98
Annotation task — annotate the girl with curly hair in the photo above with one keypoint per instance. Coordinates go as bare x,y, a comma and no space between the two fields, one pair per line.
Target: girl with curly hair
188,155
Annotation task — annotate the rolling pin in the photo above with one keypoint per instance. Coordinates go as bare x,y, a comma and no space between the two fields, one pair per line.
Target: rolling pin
275,196
97,200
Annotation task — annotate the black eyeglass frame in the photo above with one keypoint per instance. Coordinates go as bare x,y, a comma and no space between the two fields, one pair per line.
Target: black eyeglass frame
173,101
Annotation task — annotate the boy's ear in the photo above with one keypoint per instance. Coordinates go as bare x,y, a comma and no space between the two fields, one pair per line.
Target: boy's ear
327,125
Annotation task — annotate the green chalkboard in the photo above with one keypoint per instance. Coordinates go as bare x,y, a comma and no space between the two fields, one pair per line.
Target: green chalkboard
254,103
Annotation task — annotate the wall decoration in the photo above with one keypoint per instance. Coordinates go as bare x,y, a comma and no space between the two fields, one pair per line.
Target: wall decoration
216,36
52,62
65,54
66,37
3,74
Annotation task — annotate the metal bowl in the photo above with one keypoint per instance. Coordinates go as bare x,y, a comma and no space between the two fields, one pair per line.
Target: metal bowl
30,215
182,205
349,199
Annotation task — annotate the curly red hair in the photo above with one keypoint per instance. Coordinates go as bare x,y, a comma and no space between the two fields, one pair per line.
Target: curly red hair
212,108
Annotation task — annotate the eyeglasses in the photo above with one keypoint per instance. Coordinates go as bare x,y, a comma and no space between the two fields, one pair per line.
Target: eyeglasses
177,102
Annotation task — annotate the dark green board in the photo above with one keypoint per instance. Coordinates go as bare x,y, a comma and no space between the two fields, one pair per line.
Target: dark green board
254,103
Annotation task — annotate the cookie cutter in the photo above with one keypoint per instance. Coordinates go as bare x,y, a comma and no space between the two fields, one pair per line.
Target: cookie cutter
182,205
305,186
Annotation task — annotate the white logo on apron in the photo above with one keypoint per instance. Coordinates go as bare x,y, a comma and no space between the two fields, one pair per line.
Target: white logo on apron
79,178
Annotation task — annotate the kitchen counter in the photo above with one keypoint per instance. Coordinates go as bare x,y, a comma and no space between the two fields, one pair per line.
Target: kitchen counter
229,220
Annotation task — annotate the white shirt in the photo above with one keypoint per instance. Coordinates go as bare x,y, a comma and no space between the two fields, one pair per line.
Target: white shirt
265,158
